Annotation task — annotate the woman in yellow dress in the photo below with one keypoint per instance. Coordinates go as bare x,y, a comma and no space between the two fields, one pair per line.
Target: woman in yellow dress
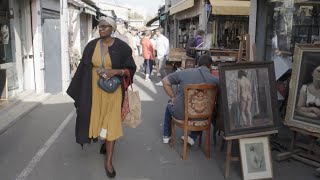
99,112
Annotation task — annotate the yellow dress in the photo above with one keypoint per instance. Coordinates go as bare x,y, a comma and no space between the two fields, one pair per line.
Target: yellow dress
105,120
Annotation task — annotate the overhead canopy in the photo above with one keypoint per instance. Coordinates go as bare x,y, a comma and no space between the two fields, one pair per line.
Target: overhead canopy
307,2
86,8
152,28
182,5
152,20
226,7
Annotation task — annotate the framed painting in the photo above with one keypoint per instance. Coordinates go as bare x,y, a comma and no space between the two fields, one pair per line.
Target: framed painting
255,158
248,98
303,109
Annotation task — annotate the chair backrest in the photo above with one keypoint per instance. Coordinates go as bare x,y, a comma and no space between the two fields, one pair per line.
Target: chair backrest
199,100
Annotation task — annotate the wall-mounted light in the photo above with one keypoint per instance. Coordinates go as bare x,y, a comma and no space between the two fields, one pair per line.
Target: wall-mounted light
11,13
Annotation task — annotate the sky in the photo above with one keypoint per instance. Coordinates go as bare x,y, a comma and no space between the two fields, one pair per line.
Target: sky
144,7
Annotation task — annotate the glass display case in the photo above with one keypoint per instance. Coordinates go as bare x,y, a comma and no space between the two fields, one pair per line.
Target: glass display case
290,22
8,70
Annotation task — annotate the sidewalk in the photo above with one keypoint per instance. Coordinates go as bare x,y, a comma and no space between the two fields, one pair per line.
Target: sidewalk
15,109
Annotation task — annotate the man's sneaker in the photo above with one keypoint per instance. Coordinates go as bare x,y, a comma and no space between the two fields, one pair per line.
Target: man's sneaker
147,80
190,140
166,139
159,83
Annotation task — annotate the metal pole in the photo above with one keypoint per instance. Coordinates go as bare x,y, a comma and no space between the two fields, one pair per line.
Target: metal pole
65,63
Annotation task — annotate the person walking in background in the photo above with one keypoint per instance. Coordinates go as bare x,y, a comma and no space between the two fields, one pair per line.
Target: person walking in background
139,37
153,40
133,43
120,33
137,42
199,41
162,47
99,112
147,53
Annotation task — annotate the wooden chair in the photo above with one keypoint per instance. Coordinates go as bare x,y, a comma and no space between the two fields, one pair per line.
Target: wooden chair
199,105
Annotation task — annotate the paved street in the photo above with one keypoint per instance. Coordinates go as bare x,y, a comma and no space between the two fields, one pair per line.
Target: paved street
40,147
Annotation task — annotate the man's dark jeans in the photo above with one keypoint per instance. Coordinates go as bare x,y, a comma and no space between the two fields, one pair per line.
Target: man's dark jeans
167,124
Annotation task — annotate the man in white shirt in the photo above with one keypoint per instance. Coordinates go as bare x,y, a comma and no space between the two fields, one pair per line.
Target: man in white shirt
162,47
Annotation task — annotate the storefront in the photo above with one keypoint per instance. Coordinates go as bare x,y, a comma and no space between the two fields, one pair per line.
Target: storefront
16,49
185,18
223,22
228,21
282,24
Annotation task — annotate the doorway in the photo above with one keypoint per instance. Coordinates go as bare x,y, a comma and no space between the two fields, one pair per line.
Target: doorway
52,56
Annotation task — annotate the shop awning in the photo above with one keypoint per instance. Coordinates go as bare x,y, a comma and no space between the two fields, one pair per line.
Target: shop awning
86,8
152,20
307,2
182,5
226,7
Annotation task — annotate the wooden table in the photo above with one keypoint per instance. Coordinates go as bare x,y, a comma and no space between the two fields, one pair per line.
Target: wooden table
228,51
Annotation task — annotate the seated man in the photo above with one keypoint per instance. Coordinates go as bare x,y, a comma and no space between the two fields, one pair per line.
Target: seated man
175,106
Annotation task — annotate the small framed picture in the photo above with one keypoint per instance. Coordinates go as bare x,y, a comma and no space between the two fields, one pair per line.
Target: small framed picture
256,158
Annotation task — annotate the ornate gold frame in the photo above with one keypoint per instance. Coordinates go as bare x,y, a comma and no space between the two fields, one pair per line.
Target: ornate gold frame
293,89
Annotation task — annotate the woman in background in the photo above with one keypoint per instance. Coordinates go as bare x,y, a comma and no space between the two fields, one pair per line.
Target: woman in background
147,53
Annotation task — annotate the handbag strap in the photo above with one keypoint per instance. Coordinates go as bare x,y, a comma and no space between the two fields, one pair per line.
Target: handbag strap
101,53
202,75
102,64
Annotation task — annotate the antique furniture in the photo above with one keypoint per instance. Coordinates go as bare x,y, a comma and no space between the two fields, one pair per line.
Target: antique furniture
199,105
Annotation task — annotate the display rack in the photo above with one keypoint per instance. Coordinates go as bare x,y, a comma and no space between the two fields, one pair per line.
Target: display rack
304,152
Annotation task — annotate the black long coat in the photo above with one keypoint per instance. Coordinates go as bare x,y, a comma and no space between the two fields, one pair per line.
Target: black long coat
80,88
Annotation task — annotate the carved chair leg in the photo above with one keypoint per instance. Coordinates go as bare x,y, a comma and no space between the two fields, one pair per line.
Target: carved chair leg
214,136
185,142
200,138
207,146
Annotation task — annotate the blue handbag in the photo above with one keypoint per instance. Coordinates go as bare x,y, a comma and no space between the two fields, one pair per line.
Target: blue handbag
109,85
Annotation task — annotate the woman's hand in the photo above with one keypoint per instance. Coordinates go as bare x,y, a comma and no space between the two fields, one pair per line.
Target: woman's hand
107,73
172,100
110,73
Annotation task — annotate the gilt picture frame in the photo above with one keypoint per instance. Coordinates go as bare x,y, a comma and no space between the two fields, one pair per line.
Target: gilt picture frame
303,107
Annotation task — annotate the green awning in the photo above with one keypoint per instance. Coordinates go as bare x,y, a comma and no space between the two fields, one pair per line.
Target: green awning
163,17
